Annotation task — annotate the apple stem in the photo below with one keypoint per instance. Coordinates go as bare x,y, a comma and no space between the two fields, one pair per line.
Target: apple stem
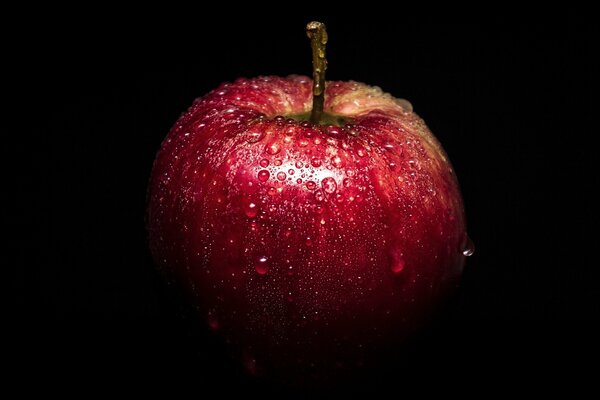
318,39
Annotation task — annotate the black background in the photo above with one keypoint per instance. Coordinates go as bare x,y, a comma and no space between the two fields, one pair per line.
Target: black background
510,98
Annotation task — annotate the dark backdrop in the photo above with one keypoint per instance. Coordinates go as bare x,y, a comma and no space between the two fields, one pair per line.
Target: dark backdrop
510,98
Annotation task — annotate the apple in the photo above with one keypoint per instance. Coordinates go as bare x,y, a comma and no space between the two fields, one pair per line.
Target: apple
312,224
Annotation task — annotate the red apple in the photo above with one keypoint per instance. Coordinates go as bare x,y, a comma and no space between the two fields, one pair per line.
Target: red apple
308,247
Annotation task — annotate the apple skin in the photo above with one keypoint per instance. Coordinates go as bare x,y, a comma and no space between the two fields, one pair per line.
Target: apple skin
308,248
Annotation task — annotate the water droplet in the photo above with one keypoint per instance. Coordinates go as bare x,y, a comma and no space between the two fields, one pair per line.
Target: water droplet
468,247
303,143
273,148
319,195
281,176
392,166
388,146
272,191
277,162
350,172
309,242
263,175
315,162
262,265
361,151
251,210
317,141
310,185
319,209
329,185
255,136
298,180
405,104
264,163
279,118
291,171
398,264
334,131
336,161
299,164
347,182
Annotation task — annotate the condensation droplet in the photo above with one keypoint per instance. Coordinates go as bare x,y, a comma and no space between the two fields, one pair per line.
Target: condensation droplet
291,171
398,264
310,185
405,104
262,266
336,161
251,210
299,164
315,162
273,148
298,180
264,163
469,247
263,175
272,191
281,176
255,136
319,195
329,185
277,162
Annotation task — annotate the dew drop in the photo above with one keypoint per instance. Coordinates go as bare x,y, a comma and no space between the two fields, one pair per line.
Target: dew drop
469,247
347,182
272,191
361,151
398,265
315,162
310,185
251,210
263,175
262,266
291,171
273,148
281,176
329,185
264,163
255,136
319,195
319,209
336,161
334,131
405,104
308,242
299,164
298,180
